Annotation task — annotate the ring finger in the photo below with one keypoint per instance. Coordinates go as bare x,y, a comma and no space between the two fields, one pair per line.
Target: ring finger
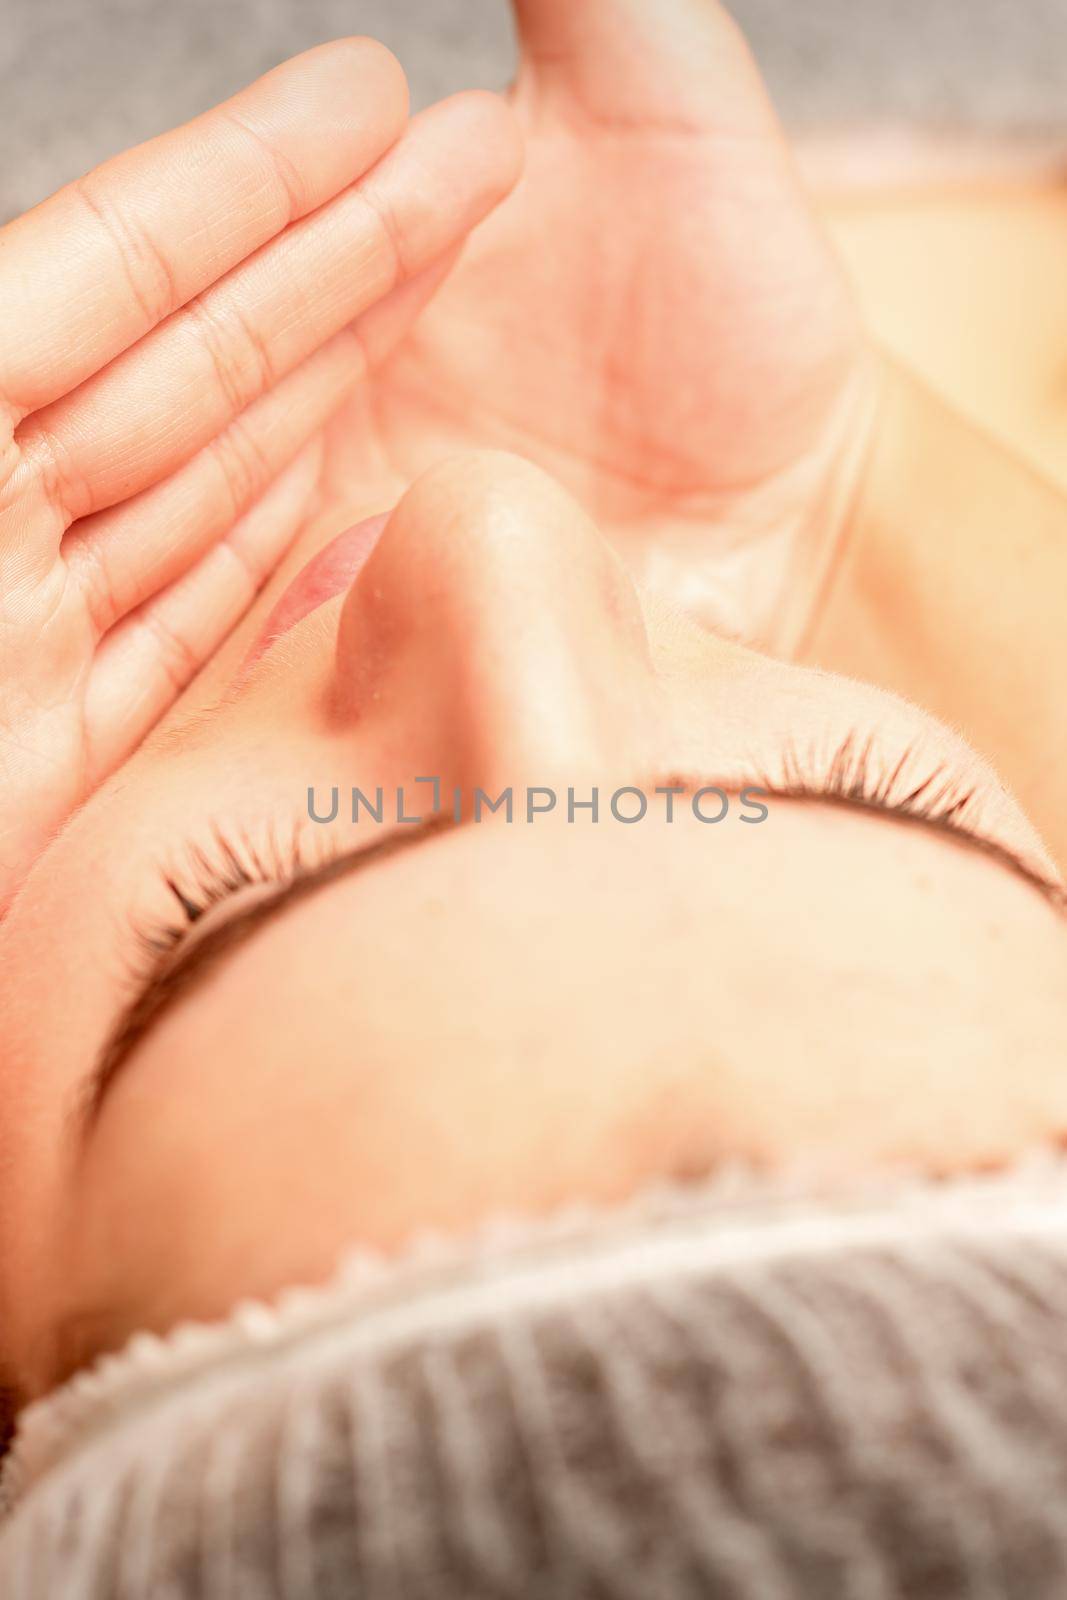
159,403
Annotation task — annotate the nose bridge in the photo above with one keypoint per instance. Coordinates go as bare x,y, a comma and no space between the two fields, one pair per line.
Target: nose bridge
497,626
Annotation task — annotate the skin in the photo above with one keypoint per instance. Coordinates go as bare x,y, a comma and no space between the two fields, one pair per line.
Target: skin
659,363
592,1002
141,515
963,611
179,326
908,251
654,317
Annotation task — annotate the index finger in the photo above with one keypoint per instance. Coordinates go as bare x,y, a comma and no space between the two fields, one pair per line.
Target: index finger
90,271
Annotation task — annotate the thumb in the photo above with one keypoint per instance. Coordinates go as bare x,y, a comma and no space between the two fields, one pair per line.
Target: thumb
682,62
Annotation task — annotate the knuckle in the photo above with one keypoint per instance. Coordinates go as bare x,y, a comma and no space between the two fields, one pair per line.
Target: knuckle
88,567
239,358
243,465
283,172
63,486
391,235
243,567
177,660
144,263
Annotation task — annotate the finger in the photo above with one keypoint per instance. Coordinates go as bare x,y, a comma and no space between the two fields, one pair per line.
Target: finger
121,557
144,664
90,271
679,64
160,402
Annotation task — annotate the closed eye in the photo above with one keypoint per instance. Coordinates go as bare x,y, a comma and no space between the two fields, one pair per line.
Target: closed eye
906,789
182,963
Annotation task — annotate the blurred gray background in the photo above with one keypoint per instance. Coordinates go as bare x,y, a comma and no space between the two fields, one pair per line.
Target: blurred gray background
80,79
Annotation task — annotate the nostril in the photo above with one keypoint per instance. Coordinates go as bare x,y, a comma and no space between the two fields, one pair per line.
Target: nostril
326,575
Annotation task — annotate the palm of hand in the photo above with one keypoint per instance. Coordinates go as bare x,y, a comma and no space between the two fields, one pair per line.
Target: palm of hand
653,317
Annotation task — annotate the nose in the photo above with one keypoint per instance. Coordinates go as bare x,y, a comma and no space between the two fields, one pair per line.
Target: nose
494,633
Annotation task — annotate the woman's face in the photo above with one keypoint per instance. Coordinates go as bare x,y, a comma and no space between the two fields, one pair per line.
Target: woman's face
435,1022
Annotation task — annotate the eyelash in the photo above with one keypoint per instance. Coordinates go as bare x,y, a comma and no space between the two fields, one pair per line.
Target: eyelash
232,861
211,874
859,775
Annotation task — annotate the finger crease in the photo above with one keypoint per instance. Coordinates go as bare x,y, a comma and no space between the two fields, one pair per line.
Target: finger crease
145,266
244,465
67,491
392,235
286,172
231,359
178,661
87,564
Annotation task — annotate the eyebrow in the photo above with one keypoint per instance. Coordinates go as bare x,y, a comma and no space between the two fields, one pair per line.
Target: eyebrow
171,982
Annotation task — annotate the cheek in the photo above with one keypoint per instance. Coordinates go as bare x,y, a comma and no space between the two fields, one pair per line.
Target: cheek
35,1188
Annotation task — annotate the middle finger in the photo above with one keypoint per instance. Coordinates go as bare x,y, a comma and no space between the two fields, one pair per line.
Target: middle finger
162,401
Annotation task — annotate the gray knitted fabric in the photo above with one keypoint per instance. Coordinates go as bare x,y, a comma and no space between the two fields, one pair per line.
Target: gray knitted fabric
703,1396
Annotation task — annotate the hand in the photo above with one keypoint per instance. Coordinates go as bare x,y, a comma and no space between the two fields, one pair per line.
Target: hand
654,316
175,331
